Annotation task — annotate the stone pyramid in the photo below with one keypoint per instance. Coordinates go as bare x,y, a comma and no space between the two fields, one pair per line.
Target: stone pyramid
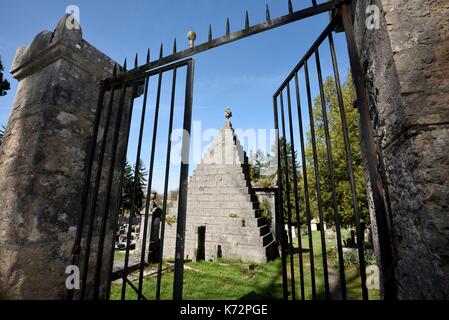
223,215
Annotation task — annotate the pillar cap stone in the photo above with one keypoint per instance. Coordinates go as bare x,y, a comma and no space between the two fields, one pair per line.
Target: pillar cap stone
65,42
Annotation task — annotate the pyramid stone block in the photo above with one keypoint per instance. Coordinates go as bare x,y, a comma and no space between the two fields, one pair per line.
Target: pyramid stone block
223,216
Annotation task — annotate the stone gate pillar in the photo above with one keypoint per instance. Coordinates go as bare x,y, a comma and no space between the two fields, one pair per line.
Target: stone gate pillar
406,61
43,161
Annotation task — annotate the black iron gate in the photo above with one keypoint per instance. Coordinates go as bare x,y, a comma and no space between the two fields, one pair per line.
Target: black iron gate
288,99
96,215
93,224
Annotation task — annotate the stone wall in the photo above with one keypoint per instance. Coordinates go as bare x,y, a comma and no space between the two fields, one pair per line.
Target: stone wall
407,73
43,162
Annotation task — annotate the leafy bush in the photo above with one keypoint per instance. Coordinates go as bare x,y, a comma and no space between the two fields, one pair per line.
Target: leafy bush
170,220
266,210
351,257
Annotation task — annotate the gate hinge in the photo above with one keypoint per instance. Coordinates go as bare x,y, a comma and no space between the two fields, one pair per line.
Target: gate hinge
334,14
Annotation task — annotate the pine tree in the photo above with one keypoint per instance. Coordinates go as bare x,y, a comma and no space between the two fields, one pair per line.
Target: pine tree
4,84
129,174
2,134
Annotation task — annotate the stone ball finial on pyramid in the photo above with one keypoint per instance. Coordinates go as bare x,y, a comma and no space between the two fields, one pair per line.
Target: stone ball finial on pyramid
228,115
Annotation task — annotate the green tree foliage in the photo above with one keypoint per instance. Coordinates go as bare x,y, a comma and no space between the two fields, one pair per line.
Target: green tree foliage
263,172
343,189
4,84
262,169
260,164
129,175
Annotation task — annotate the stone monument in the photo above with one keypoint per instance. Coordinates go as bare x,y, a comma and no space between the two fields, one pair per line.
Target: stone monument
223,215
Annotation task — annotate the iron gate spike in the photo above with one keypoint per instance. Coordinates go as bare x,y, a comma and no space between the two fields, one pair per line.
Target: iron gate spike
228,27
136,61
210,33
124,65
246,20
267,13
148,55
161,51
290,7
174,46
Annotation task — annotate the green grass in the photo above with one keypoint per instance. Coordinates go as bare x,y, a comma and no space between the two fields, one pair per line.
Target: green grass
222,280
119,255
240,280
352,274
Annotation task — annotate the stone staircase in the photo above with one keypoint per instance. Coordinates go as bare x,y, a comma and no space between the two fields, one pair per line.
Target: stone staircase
221,199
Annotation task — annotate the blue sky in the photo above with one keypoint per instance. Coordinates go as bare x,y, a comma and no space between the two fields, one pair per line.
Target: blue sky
243,75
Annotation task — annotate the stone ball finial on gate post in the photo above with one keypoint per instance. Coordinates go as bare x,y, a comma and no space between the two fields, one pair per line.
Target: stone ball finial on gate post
191,36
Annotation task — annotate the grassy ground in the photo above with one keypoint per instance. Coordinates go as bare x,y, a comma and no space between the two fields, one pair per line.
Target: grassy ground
119,255
238,280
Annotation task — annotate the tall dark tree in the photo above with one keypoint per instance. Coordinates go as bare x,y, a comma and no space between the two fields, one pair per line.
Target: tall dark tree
290,197
129,176
2,134
4,84
343,189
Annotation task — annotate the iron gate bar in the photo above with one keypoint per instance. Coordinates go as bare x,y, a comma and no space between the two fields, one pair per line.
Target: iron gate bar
139,295
331,168
79,231
280,209
95,194
330,27
151,171
167,174
306,189
119,201
153,149
145,228
262,27
295,190
377,190
104,216
287,189
317,181
348,158
136,169
183,185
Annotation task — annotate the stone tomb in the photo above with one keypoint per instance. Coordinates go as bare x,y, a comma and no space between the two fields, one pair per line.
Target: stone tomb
223,215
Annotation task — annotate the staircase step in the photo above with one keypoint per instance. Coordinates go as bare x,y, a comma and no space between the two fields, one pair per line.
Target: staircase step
266,239
223,190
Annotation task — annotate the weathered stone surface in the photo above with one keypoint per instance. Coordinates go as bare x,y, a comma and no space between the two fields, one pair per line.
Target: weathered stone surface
221,199
407,73
43,163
